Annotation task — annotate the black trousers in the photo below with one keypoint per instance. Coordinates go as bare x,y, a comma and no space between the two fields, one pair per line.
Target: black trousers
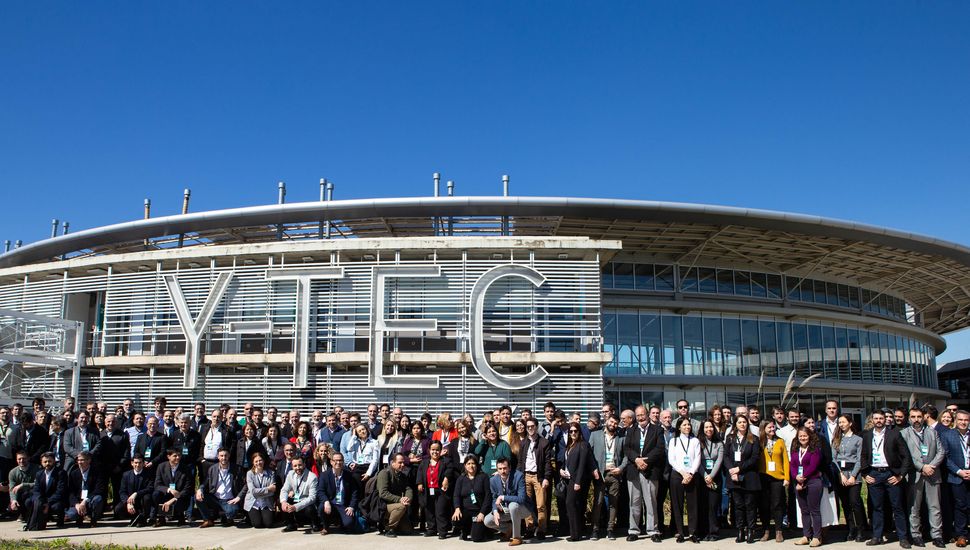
261,519
773,502
307,515
662,489
38,516
161,497
745,509
850,498
678,494
475,530
436,508
712,505
142,505
576,509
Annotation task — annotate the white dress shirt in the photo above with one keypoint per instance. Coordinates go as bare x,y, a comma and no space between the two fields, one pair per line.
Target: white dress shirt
684,454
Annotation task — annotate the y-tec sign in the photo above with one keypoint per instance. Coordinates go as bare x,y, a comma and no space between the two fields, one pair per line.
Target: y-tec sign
380,326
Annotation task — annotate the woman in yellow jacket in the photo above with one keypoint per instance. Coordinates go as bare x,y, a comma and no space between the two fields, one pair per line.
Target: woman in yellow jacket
774,480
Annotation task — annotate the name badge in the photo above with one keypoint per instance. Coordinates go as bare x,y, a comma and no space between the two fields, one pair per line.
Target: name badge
494,464
185,451
709,464
296,496
339,499
801,470
473,498
84,494
171,486
148,452
686,462
924,450
431,491
387,459
85,445
842,464
737,456
771,466
876,457
609,457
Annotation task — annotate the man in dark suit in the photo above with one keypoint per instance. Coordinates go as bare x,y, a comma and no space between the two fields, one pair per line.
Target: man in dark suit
173,489
534,461
645,453
31,438
135,494
338,494
81,438
222,492
213,436
87,491
111,452
151,445
956,444
885,463
56,445
48,498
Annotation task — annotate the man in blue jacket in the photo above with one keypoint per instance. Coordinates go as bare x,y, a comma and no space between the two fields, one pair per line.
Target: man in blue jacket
338,494
956,443
510,505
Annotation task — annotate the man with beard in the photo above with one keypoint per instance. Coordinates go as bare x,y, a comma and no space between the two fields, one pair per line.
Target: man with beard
926,450
607,447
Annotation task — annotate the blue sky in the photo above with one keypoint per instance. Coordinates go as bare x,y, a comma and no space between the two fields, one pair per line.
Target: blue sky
854,110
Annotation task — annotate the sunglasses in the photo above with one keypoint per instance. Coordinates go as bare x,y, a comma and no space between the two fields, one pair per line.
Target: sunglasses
574,431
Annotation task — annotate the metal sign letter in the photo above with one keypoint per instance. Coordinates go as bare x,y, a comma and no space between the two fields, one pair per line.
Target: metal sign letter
193,330
479,361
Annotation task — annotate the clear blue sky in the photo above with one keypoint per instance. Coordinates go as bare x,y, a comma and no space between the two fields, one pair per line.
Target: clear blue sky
855,110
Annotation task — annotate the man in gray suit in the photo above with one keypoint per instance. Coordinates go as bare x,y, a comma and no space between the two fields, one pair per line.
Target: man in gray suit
83,437
927,454
607,446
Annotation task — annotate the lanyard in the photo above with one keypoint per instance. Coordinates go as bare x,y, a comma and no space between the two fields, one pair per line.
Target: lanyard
684,445
881,440
920,435
709,449
770,448
801,456
340,484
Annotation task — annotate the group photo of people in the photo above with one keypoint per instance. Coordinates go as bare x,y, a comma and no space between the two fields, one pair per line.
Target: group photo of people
511,474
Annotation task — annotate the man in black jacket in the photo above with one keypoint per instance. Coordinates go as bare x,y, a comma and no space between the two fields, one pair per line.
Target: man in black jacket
885,463
645,454
222,492
111,454
135,494
87,491
213,436
48,498
173,489
31,438
339,495
534,461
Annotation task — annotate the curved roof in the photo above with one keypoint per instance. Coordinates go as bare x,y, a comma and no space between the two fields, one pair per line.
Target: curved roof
931,274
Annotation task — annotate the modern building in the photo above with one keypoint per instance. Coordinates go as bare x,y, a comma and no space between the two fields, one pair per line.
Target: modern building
954,378
461,303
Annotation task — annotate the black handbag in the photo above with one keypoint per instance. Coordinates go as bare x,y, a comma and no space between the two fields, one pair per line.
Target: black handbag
561,487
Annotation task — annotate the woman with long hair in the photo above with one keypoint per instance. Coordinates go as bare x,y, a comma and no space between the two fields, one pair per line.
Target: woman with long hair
774,480
742,455
361,454
576,471
805,469
434,490
273,445
462,445
304,440
491,449
260,494
712,458
946,418
388,443
445,433
321,459
247,446
684,457
515,440
847,456
829,505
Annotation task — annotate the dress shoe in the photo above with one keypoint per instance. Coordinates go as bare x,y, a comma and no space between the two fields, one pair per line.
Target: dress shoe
595,535
802,541
750,537
657,538
159,522
765,537
429,533
740,538
874,541
610,534
939,543
694,539
540,535
390,534
289,528
815,543
961,542
860,537
515,541
918,541
180,522
903,543
631,538
680,538
206,524
442,537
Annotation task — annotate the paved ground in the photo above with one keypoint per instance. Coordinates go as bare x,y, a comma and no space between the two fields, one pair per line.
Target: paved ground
231,538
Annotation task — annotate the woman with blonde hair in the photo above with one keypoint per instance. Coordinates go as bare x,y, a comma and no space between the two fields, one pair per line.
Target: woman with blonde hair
774,480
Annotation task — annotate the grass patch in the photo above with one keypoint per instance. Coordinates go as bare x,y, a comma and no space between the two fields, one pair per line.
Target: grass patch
66,544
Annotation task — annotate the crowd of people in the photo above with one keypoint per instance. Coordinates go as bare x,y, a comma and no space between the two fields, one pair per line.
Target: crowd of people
499,475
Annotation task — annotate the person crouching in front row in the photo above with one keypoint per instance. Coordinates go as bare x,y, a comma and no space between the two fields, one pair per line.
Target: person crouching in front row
223,491
135,494
87,491
48,498
299,496
173,489
509,503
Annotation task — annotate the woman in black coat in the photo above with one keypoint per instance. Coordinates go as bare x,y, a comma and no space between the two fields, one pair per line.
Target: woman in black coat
247,446
434,490
472,499
576,471
742,455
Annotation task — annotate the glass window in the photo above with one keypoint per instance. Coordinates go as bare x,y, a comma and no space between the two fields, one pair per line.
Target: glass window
800,344
785,350
628,358
644,277
688,279
707,283
831,293
630,399
759,285
774,287
769,348
713,350
664,277
607,276
673,340
828,352
725,281
751,348
815,347
843,295
732,346
820,296
742,283
854,297
623,275
650,343
693,346
807,289
609,339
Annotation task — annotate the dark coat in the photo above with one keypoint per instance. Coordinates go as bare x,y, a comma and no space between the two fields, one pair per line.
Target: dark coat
53,494
228,440
74,443
132,484
543,457
188,444
896,453
35,443
152,447
97,484
748,478
578,463
244,458
184,484
112,451
211,484
327,489
654,451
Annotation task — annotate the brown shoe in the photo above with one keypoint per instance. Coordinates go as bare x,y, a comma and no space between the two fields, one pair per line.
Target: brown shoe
779,537
815,543
324,531
515,542
765,537
961,542
206,523
802,541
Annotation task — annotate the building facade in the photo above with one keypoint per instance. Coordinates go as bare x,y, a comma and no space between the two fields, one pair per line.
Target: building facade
463,303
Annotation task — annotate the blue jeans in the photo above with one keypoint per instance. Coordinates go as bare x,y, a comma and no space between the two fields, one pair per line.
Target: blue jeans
212,506
878,491
95,509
